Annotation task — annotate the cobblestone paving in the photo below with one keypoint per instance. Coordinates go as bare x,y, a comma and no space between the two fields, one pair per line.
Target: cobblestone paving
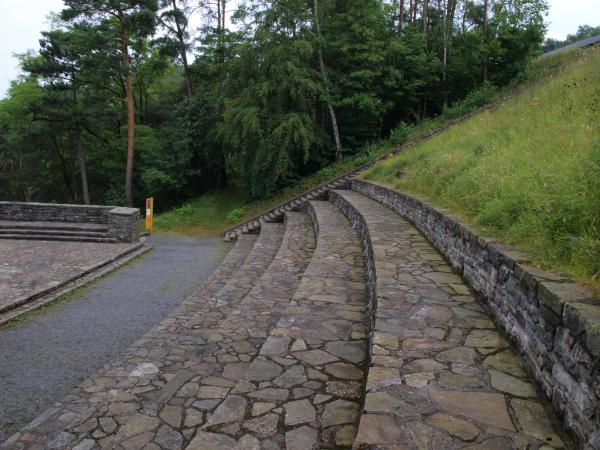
29,267
304,389
272,353
442,376
47,354
155,364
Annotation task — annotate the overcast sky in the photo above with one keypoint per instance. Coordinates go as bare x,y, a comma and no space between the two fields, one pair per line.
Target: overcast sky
21,22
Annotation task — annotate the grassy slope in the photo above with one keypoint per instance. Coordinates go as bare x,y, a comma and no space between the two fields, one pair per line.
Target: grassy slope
526,171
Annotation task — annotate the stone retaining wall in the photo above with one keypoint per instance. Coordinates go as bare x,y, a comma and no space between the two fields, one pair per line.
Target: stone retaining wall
554,322
54,212
122,223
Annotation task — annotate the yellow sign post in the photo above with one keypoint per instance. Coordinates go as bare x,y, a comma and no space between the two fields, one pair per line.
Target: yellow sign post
149,213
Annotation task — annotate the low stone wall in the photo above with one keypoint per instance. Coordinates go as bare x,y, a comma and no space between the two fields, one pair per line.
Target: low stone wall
554,322
54,212
122,223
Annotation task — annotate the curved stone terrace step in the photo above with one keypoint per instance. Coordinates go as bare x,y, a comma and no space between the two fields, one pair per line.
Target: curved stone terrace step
216,396
441,375
276,213
304,389
156,365
234,341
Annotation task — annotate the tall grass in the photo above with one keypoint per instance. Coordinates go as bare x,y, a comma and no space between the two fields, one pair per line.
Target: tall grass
527,170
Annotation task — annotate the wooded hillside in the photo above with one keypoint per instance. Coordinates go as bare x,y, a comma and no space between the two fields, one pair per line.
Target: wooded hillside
131,98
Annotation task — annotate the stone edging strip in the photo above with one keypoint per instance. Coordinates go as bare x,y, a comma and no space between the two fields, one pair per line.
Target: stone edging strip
554,322
84,278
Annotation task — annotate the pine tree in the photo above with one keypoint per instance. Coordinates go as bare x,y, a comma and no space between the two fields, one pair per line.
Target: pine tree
124,21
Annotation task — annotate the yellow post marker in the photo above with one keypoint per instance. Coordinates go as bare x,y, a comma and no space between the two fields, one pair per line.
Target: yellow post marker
149,213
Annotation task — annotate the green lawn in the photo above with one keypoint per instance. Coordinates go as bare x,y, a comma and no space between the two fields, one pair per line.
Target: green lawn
526,171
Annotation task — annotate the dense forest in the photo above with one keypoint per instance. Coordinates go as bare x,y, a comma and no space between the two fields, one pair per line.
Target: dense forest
171,98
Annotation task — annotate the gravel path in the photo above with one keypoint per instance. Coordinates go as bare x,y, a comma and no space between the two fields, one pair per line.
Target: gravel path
45,356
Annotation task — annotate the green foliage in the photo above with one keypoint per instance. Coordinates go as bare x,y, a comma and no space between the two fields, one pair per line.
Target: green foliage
185,210
399,134
527,171
235,215
479,97
259,110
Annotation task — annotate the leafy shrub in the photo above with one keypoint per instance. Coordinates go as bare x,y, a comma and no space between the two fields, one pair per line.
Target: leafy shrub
185,210
235,215
399,135
477,98
481,96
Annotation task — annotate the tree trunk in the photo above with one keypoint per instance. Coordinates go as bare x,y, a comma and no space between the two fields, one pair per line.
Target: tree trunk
82,169
415,8
182,49
65,171
221,39
334,124
130,121
448,27
485,40
424,17
401,17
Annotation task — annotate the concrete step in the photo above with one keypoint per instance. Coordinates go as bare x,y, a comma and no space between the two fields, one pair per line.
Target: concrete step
55,231
57,226
436,355
52,232
37,236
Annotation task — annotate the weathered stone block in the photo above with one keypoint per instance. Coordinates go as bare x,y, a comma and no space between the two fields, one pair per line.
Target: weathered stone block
555,295
583,319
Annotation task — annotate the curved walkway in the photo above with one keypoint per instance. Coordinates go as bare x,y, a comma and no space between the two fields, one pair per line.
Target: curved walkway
441,373
46,355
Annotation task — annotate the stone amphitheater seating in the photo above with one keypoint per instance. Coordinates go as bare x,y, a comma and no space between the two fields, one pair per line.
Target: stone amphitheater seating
341,326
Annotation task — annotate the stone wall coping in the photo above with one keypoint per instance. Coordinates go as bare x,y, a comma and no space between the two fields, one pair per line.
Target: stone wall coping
578,306
58,205
124,211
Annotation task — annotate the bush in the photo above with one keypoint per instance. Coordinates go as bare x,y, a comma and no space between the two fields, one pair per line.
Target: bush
399,135
235,215
185,210
477,98
481,96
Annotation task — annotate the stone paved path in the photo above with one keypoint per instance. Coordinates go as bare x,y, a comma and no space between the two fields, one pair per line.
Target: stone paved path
304,389
43,357
442,376
30,267
149,372
293,345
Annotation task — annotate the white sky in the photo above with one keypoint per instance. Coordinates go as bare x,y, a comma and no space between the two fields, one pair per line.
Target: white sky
21,22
